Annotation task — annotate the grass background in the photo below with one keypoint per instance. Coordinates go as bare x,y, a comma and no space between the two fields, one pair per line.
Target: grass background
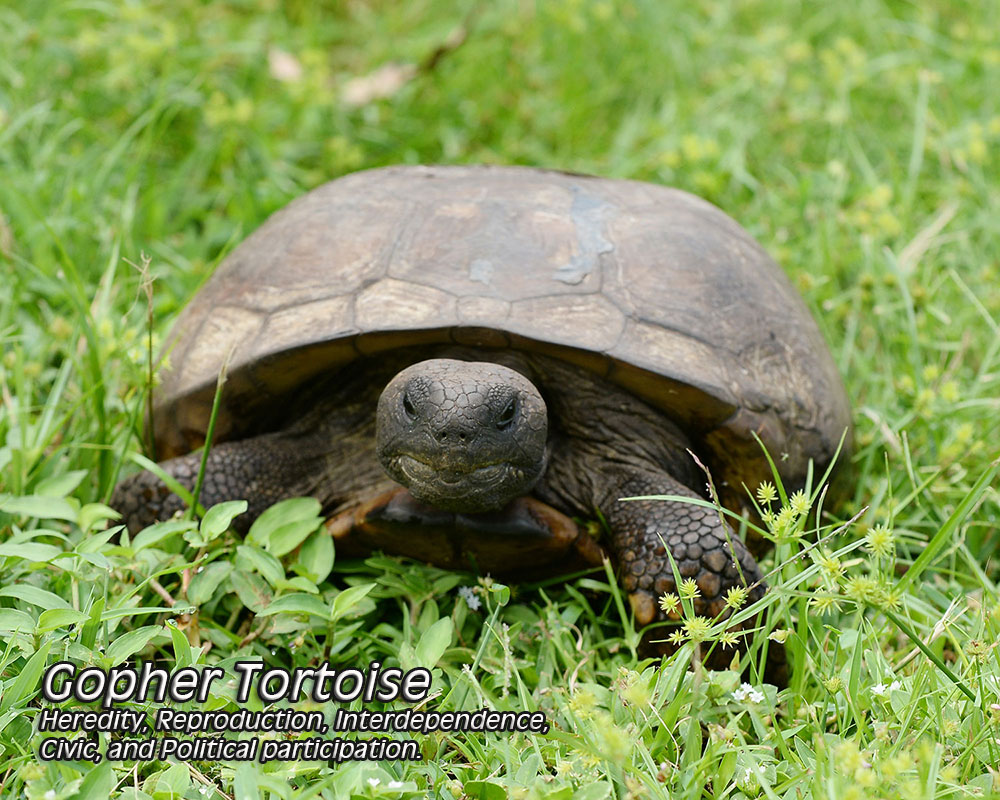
858,142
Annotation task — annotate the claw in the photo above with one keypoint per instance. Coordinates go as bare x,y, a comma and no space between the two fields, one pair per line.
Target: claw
643,606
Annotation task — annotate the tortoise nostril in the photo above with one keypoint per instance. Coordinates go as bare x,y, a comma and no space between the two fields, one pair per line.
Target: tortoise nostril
447,435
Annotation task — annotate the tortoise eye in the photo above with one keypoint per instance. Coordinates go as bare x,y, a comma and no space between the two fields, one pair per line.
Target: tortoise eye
408,408
506,417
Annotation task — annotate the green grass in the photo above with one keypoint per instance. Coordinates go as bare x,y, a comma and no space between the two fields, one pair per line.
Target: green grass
860,143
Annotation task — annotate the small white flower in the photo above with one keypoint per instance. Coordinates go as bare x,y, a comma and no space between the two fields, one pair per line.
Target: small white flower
881,689
373,782
468,593
50,794
751,776
395,784
747,692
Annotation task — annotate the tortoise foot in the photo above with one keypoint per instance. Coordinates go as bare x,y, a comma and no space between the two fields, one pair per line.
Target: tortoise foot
648,534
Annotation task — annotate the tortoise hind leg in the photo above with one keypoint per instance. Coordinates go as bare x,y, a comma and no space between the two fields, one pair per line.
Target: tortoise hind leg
641,532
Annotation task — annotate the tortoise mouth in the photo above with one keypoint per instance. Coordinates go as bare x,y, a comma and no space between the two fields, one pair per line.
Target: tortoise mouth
470,489
417,470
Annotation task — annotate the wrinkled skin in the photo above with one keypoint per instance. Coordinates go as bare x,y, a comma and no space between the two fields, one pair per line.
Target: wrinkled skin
468,435
462,436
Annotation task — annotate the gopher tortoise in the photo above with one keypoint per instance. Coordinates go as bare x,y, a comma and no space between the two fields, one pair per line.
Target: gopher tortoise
456,360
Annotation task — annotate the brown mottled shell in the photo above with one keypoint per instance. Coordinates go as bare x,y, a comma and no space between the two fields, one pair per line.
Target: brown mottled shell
650,287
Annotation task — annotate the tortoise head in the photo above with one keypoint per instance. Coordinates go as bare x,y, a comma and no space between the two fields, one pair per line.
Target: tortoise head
462,436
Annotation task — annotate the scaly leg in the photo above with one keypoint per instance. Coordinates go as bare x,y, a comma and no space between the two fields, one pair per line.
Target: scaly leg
262,471
702,548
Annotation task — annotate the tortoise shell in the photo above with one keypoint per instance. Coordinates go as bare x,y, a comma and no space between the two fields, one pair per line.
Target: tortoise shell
649,287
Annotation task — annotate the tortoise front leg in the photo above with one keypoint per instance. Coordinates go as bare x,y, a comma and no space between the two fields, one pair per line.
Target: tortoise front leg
329,453
261,471
702,548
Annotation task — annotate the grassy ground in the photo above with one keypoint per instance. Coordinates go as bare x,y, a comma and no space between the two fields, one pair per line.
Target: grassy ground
858,142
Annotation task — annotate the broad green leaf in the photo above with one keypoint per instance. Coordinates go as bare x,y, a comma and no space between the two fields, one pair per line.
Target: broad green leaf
298,603
501,593
159,531
27,680
97,784
172,783
58,618
316,555
245,782
252,590
60,485
593,791
14,621
6,719
219,517
484,790
295,509
93,542
130,643
207,581
278,786
183,654
407,656
434,641
349,598
93,513
96,559
288,537
34,595
88,636
297,584
39,507
31,551
282,527
256,560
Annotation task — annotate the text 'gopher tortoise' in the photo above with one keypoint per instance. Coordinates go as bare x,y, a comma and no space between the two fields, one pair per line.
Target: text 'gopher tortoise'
512,346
